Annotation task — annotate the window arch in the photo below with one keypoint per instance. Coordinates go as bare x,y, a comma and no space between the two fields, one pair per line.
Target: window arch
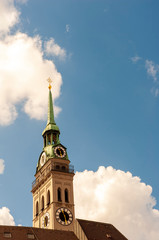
48,197
59,194
37,208
66,195
42,203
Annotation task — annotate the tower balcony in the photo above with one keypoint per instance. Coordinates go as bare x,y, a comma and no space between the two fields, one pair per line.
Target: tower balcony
56,167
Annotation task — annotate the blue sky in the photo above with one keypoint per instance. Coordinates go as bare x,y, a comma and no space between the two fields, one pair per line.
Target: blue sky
108,94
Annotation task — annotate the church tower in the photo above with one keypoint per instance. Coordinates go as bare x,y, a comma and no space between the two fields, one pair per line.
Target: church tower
53,201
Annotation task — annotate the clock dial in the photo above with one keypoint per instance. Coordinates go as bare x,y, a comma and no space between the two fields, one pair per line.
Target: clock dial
64,216
43,159
46,220
60,152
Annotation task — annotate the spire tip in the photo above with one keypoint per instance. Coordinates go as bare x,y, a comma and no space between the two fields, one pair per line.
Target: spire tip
49,81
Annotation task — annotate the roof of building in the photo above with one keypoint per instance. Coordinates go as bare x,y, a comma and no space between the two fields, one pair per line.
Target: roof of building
100,231
27,233
93,231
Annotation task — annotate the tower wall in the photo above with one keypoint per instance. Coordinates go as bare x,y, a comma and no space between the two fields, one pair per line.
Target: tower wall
51,180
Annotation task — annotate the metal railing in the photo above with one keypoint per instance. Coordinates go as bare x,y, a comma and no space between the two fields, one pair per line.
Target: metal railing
57,168
62,168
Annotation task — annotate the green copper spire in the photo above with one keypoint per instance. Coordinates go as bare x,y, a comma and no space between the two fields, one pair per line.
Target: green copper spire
50,118
51,125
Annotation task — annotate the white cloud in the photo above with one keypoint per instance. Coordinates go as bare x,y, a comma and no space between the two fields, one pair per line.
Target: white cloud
67,27
9,15
116,197
23,78
155,91
24,70
2,166
51,48
5,217
135,59
152,69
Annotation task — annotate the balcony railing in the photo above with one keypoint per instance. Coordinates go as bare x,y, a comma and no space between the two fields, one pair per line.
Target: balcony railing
61,168
55,167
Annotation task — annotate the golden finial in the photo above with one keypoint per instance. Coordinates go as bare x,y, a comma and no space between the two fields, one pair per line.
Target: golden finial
49,81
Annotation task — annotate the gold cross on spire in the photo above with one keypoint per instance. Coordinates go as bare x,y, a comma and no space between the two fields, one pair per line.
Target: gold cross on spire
49,81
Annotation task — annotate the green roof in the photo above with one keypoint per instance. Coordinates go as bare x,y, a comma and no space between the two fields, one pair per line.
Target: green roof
51,125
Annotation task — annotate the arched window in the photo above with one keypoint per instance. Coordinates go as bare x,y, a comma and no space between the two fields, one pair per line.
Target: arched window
57,167
45,141
42,203
49,138
54,139
66,195
59,194
48,197
37,208
63,168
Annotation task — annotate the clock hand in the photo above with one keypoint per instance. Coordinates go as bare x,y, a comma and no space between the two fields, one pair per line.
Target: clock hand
44,222
64,216
60,153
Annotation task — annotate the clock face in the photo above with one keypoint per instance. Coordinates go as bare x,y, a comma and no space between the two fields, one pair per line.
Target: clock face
64,216
43,158
60,152
46,220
